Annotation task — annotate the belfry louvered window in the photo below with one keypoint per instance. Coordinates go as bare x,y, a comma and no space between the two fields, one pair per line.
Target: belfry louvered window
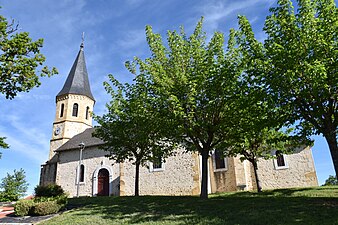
87,112
75,109
62,109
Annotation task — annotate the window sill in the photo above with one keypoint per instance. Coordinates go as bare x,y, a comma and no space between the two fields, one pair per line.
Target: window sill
157,170
281,167
221,170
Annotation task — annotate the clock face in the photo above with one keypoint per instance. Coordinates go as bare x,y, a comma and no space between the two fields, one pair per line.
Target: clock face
57,130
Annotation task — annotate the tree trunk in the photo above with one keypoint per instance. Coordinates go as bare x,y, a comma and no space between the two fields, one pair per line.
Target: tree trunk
204,182
137,178
258,183
332,142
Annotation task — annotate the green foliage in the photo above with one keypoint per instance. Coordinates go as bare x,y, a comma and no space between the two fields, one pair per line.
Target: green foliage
3,144
332,180
50,190
62,200
24,207
194,84
41,205
132,128
46,208
20,59
21,63
13,186
297,65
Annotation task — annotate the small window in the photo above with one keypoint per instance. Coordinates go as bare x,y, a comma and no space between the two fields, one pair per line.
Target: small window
87,112
75,109
280,161
157,165
81,173
219,162
62,109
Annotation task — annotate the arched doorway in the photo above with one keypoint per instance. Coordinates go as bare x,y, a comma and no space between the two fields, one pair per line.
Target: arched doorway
103,183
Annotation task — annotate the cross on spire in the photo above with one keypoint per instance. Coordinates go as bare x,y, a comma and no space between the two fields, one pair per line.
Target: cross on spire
82,42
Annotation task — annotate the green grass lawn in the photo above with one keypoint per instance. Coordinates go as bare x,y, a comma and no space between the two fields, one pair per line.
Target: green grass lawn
286,206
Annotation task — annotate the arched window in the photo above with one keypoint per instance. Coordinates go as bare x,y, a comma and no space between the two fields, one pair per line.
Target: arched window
62,108
81,178
87,112
75,109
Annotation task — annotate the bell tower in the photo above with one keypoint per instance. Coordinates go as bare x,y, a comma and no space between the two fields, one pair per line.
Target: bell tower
74,104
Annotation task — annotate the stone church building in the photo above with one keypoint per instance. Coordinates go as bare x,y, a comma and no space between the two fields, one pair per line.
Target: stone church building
81,168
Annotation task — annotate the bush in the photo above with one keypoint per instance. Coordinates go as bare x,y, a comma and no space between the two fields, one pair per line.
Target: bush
24,207
46,208
50,190
62,200
42,205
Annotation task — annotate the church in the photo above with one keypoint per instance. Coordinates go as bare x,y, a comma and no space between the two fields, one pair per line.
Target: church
78,165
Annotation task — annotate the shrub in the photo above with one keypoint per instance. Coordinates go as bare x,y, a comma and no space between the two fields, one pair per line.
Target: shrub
50,190
24,207
46,208
62,200
49,200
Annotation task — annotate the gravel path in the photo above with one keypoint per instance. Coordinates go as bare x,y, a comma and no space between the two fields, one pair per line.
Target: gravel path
12,219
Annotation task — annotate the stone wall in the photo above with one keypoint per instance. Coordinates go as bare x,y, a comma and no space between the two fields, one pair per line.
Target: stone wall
181,174
300,172
69,125
48,174
225,180
93,160
179,177
68,101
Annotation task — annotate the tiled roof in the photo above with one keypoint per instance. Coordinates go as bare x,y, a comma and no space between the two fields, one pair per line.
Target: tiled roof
85,137
77,81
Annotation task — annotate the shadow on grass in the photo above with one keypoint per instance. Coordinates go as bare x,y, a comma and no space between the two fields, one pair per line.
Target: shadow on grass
269,207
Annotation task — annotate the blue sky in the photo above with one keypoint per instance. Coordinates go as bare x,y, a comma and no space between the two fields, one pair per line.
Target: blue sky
114,33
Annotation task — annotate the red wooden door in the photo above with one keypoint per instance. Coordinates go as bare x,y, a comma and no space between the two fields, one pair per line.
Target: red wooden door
103,183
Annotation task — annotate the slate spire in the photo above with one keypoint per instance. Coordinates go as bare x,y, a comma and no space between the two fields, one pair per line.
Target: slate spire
77,81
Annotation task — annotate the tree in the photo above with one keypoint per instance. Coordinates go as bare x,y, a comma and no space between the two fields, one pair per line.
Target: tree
332,180
253,145
13,186
19,60
194,82
260,125
300,69
131,128
3,144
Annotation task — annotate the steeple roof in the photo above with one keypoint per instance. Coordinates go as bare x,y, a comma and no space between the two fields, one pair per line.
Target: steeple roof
77,81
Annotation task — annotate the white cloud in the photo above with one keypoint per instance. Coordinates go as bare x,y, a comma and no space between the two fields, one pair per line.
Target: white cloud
29,141
28,148
131,39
